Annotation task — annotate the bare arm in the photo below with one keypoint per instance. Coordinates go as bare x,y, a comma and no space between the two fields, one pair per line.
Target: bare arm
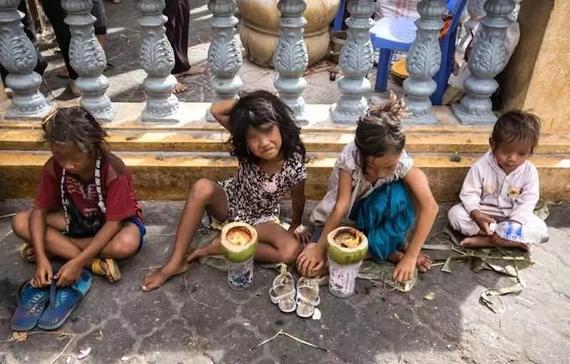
221,111
298,203
313,258
426,208
341,206
38,232
100,240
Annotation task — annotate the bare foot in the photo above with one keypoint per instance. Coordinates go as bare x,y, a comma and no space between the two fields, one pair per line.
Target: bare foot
423,263
158,277
193,71
62,73
499,242
213,248
481,241
179,88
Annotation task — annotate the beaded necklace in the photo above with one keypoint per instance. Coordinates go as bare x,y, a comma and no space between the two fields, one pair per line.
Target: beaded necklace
65,200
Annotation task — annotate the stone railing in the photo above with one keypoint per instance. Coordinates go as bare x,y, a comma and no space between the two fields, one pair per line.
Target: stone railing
488,58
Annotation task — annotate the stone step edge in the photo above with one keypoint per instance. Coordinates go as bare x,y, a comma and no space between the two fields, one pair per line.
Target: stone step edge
167,176
315,141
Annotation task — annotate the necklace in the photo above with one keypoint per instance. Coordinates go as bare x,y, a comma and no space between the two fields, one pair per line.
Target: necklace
65,200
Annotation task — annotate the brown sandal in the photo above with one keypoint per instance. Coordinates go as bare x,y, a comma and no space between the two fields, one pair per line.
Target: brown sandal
113,274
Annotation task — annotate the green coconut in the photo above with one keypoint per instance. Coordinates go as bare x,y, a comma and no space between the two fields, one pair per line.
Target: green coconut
346,245
238,242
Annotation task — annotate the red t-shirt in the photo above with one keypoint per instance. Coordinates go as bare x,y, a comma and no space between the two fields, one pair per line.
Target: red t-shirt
116,186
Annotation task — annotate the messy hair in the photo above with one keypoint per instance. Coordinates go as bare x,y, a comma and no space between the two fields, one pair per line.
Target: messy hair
75,125
258,108
379,131
518,126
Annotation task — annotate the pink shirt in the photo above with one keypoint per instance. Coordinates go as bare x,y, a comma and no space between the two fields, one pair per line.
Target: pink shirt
513,196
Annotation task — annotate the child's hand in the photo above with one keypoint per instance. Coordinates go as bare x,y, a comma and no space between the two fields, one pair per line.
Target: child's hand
311,260
68,273
43,275
405,269
484,221
301,233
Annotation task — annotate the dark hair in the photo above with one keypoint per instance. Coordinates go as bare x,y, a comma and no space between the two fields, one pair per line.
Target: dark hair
379,131
258,108
517,125
75,125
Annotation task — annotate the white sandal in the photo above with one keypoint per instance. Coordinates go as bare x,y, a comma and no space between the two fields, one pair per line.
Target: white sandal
307,297
282,292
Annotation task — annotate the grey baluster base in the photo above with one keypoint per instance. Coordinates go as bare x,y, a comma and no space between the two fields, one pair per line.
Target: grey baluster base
290,91
27,103
226,88
419,104
476,108
100,107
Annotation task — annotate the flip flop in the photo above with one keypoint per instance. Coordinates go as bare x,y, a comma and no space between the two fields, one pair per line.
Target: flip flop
307,297
31,304
63,301
113,273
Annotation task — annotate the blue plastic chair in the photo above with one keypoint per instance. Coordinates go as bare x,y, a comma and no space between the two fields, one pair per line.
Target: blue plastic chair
397,34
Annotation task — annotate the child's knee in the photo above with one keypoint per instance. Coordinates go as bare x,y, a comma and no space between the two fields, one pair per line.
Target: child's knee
457,217
21,223
290,251
202,188
124,245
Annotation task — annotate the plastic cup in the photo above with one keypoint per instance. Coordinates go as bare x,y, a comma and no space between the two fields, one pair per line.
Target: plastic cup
342,278
240,275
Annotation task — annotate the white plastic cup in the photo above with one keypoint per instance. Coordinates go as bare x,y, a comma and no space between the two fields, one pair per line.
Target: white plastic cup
342,278
240,275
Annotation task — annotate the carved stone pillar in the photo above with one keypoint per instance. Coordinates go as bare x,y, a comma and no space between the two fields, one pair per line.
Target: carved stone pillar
356,60
87,58
488,58
157,59
224,54
19,57
290,58
476,12
424,59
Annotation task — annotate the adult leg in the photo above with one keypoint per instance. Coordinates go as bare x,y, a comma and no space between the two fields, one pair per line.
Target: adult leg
177,28
56,14
204,195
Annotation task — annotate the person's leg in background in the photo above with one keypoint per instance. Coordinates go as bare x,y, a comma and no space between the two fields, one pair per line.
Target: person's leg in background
56,15
28,25
100,26
177,28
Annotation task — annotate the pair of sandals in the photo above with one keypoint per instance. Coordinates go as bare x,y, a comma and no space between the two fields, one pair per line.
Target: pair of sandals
112,273
48,307
303,299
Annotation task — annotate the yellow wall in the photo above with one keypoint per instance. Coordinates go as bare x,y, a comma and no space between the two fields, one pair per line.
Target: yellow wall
537,77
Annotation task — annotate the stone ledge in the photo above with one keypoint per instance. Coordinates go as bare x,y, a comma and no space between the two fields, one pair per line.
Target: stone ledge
168,175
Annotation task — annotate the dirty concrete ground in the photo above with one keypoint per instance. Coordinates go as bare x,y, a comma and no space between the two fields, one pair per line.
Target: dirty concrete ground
196,318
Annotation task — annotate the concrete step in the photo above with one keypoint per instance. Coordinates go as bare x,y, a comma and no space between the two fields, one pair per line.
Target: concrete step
168,175
214,139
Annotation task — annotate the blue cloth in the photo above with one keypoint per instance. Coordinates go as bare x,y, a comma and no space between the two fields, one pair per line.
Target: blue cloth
385,217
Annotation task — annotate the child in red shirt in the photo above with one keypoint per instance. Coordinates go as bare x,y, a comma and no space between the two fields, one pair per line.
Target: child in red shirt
85,210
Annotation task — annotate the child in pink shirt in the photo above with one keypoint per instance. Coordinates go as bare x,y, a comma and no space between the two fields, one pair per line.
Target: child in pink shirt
501,189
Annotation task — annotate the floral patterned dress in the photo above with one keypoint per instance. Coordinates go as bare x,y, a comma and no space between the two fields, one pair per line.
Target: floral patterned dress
254,196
